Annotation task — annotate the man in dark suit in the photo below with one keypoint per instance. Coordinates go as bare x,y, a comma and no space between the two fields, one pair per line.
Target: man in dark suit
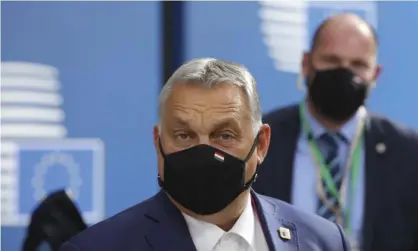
209,141
330,156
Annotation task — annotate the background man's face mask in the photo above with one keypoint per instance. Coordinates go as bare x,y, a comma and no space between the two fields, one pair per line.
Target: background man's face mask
337,93
204,179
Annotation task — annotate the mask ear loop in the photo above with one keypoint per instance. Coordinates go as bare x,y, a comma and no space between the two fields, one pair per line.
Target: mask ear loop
252,180
160,147
252,148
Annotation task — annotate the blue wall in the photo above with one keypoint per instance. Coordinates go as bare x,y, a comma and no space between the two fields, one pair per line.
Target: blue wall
107,54
212,31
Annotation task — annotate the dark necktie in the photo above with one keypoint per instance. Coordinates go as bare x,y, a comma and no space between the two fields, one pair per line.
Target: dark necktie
328,145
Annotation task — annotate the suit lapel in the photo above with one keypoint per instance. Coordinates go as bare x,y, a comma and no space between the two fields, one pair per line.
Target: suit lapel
375,149
285,135
168,222
271,223
169,230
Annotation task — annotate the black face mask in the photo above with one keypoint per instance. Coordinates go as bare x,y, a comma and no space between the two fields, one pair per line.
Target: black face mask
337,93
204,179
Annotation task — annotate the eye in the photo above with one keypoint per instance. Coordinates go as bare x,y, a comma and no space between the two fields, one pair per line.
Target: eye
358,64
226,136
182,136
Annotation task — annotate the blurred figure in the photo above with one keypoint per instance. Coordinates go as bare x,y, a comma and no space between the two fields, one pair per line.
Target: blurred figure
331,156
53,222
209,141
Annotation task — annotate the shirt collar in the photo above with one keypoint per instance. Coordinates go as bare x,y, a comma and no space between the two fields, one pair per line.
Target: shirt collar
348,130
205,235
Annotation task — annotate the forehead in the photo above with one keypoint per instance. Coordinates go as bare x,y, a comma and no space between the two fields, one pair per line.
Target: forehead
195,102
346,41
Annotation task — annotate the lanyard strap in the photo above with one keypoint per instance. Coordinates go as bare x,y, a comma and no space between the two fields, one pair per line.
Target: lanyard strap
352,167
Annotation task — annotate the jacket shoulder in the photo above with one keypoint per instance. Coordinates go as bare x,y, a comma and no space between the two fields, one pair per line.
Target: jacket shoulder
299,217
397,132
310,228
114,233
283,114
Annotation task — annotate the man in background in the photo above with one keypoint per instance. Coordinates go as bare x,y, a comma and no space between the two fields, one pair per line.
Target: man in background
330,156
210,141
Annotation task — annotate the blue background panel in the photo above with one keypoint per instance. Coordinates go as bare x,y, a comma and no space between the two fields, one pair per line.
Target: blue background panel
36,177
232,31
108,57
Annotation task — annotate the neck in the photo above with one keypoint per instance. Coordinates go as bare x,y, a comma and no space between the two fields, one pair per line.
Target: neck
226,226
325,122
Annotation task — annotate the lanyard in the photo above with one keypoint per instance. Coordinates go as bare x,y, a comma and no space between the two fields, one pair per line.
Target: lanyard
352,167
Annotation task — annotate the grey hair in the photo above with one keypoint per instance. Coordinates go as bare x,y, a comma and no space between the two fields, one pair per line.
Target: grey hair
210,72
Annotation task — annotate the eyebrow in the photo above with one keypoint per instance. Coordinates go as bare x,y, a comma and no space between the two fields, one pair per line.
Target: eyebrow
224,122
179,121
229,121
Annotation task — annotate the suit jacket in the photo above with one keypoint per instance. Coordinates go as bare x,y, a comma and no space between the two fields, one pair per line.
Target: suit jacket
157,225
391,189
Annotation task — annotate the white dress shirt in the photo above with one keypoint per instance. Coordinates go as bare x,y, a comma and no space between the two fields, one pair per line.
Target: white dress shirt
245,235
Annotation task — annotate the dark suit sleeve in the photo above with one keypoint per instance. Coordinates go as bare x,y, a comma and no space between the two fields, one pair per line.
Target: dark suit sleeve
345,243
68,246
